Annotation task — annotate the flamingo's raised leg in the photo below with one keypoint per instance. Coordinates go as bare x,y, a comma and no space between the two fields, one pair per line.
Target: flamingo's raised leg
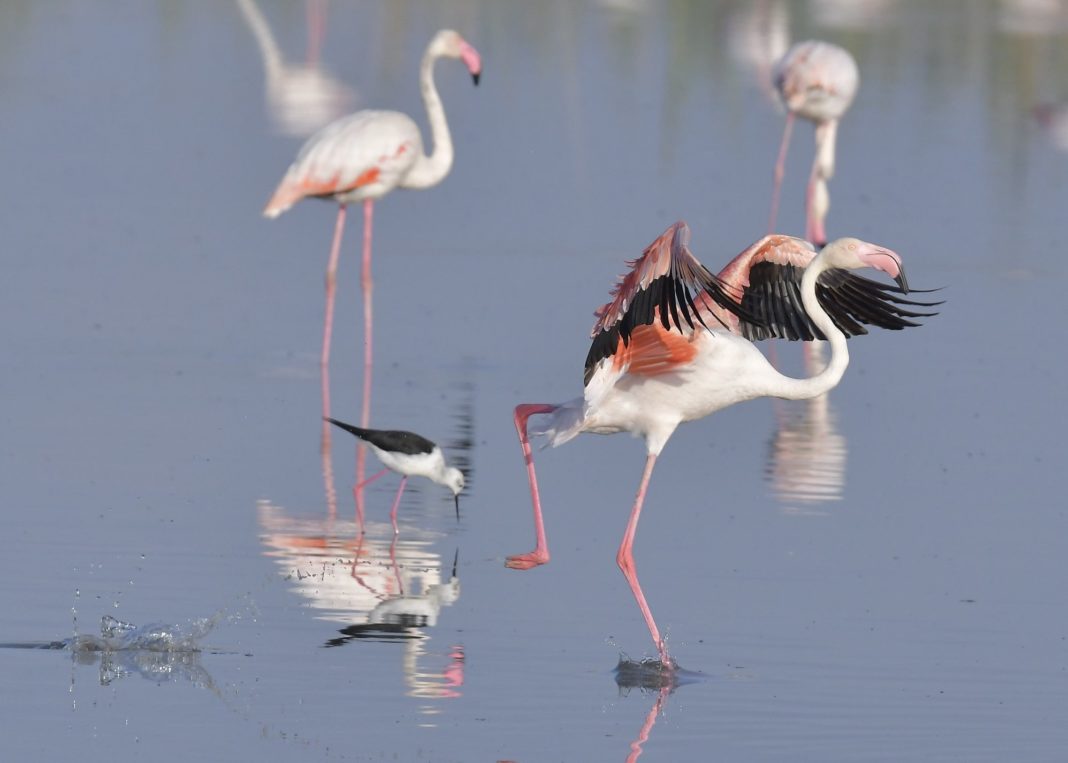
540,554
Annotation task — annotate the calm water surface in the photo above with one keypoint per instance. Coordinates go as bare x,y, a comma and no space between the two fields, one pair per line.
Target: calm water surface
876,576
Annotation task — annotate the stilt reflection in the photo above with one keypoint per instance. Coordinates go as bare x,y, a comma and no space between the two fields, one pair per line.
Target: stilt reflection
384,590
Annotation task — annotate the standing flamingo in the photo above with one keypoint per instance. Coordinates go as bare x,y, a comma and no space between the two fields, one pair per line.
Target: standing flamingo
362,157
656,360
816,80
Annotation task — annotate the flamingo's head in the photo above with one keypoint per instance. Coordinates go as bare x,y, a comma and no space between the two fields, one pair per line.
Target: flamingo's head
449,43
852,253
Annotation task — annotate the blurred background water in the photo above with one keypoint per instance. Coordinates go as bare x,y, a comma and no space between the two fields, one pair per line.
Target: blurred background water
876,576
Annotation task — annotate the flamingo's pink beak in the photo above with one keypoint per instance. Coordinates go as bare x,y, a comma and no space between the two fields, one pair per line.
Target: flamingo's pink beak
889,262
472,59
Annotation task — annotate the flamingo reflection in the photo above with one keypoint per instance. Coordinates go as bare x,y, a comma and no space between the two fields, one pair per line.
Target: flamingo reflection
806,454
301,97
649,676
385,591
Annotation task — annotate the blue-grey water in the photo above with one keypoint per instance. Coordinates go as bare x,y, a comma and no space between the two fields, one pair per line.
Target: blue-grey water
876,576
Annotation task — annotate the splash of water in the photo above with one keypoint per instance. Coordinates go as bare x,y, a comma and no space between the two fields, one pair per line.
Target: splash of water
117,635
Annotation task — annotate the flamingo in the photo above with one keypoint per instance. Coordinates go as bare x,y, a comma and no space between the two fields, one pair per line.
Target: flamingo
301,98
362,157
818,81
664,352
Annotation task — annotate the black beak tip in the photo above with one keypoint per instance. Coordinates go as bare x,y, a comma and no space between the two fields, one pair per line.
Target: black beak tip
456,500
476,76
904,284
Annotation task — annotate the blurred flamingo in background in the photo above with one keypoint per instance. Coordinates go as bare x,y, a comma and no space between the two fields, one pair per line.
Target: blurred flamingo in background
1053,119
362,157
303,97
818,81
663,353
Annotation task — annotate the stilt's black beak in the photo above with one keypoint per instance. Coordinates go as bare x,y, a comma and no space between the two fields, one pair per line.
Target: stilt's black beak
347,427
455,560
476,76
901,279
456,498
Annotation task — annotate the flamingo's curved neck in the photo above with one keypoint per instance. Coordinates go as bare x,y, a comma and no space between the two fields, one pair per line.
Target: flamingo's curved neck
826,137
272,56
430,170
828,378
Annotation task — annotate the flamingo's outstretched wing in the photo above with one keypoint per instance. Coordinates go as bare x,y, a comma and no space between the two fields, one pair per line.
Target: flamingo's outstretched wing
658,292
766,280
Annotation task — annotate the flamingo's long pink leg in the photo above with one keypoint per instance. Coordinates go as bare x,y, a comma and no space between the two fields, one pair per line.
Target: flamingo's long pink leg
625,559
328,473
324,360
365,411
647,726
780,170
331,287
540,554
396,503
316,16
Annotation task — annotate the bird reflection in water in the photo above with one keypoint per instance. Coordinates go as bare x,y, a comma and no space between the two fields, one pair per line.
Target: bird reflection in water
651,677
301,97
382,590
806,454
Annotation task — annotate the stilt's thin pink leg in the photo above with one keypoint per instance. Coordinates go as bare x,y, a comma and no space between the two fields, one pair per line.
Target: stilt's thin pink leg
396,503
365,411
357,493
780,170
625,559
540,554
369,480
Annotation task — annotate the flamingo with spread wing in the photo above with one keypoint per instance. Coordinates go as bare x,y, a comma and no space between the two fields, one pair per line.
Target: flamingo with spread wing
674,346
